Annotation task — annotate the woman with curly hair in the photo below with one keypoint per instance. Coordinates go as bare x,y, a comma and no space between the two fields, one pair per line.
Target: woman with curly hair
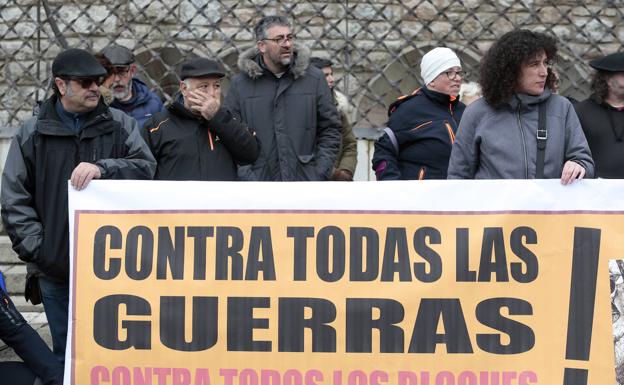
498,136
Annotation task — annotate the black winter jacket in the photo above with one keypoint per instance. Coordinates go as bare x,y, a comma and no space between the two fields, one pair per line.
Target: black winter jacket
424,124
188,147
603,126
28,345
294,117
41,158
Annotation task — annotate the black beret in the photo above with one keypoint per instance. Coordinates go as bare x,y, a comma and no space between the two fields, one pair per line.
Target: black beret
609,63
77,62
118,55
200,67
320,63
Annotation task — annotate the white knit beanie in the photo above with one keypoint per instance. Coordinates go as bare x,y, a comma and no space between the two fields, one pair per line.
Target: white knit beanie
437,61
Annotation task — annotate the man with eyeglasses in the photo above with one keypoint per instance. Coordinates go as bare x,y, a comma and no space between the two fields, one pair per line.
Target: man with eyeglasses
196,138
130,94
74,137
289,105
422,126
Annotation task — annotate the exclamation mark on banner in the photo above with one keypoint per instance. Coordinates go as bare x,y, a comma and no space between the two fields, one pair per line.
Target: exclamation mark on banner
585,258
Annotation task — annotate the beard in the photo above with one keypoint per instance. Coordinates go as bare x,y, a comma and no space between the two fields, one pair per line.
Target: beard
286,61
123,94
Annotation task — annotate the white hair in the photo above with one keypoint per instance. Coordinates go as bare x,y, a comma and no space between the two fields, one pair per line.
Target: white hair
470,89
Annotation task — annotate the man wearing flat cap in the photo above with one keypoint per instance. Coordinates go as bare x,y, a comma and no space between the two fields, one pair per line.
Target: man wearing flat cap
130,94
196,138
74,137
602,116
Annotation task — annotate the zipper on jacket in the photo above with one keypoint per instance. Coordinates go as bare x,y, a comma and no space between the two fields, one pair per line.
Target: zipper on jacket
452,113
526,164
8,312
450,131
422,125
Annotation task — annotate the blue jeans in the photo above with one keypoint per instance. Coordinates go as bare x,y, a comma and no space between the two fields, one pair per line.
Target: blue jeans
55,298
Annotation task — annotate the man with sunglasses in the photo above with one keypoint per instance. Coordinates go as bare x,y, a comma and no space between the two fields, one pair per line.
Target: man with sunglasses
74,137
422,126
289,105
130,94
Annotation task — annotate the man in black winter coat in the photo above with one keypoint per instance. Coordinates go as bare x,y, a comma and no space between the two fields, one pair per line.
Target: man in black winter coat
602,116
289,105
74,137
196,138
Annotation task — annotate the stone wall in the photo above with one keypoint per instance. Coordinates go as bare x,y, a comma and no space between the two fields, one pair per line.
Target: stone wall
376,44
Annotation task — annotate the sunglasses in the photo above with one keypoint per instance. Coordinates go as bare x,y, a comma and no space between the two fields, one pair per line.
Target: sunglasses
85,82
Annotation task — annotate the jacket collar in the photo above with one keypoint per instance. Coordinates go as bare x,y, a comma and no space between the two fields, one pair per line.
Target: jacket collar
54,125
440,98
520,100
251,64
140,95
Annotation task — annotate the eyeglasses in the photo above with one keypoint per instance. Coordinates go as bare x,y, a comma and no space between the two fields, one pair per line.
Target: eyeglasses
122,72
85,82
281,39
452,75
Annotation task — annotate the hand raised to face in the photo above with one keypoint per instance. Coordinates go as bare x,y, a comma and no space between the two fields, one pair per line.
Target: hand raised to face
203,103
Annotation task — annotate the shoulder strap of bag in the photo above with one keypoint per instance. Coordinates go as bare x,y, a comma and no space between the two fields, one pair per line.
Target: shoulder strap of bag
392,138
542,136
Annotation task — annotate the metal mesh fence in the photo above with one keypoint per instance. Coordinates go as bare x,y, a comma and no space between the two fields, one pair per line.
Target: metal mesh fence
376,45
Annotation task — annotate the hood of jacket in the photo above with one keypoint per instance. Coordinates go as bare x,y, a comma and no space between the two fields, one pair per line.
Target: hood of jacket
250,62
525,101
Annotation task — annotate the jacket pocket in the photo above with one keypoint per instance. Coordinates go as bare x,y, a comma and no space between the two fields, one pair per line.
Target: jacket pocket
425,124
307,168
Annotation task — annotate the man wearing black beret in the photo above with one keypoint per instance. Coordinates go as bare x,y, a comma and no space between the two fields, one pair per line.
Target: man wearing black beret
196,138
74,137
130,94
602,116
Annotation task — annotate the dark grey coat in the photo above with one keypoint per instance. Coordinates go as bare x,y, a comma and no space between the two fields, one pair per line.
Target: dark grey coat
294,117
501,143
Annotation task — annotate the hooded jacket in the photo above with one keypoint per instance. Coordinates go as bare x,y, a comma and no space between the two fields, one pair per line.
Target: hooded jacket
41,158
502,143
187,147
347,159
143,104
424,124
293,116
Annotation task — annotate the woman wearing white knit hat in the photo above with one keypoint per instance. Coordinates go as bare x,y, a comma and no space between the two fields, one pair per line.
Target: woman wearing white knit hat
422,126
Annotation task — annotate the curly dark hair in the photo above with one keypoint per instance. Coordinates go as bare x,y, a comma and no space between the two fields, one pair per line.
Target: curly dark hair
599,86
501,65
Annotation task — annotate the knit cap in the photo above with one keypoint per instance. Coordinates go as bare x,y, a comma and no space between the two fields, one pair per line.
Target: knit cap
436,61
